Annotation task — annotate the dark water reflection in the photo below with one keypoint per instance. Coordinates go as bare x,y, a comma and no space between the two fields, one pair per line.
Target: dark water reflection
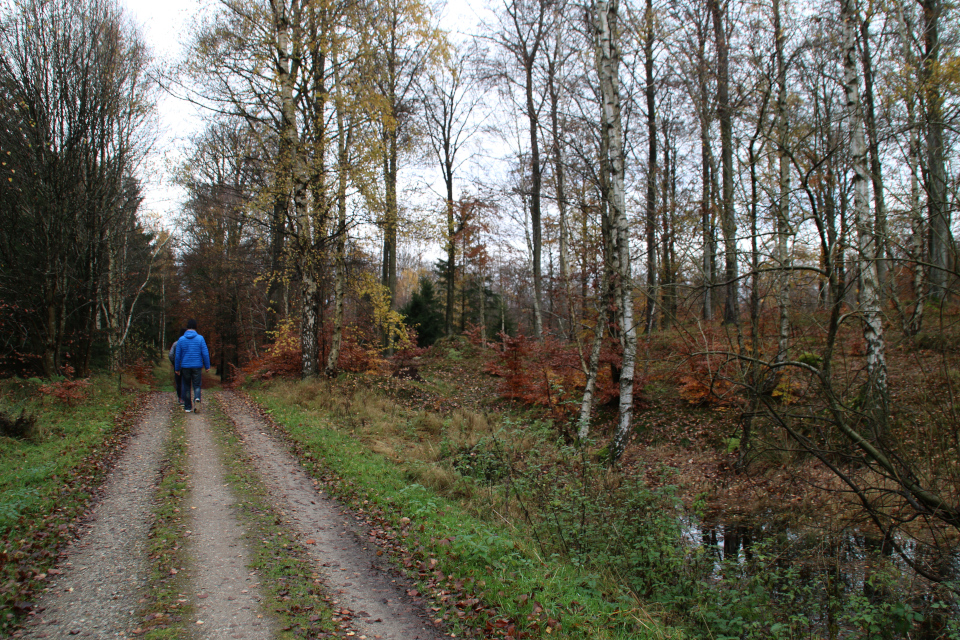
837,569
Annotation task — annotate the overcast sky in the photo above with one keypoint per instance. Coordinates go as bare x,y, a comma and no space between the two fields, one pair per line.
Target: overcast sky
165,24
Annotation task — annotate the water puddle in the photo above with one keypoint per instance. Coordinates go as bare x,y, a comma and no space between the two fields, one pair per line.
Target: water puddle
832,578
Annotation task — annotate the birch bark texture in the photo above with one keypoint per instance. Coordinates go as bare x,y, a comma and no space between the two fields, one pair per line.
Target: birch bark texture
606,47
875,396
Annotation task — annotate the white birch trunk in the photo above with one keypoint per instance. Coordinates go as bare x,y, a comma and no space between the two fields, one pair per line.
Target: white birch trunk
783,208
586,407
875,398
608,72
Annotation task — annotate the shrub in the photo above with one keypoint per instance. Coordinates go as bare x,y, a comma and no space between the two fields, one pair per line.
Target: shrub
280,359
711,375
68,392
608,524
549,374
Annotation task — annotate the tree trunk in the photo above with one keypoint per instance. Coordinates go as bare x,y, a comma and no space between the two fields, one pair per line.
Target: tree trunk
390,220
706,222
451,266
344,140
651,195
50,355
536,187
706,164
608,70
293,181
783,198
586,406
559,178
916,244
876,170
876,396
667,283
728,221
754,382
938,213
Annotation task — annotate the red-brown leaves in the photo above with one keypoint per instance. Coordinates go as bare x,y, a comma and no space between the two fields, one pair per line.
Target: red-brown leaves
280,359
550,373
68,392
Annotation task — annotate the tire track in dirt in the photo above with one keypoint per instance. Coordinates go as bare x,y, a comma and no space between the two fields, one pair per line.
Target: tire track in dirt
227,595
106,569
361,582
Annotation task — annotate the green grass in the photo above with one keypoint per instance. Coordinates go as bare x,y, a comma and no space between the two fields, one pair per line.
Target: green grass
293,593
166,604
47,480
481,573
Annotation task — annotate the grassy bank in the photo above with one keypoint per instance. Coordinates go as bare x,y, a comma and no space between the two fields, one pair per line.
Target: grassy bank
57,444
441,495
509,527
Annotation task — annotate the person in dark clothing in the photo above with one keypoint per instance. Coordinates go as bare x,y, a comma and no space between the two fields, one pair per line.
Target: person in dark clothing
192,354
176,374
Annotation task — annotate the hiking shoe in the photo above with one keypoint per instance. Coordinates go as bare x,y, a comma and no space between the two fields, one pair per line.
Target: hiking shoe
188,410
196,404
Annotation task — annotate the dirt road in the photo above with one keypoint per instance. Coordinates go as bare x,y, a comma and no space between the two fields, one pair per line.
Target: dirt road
96,590
106,572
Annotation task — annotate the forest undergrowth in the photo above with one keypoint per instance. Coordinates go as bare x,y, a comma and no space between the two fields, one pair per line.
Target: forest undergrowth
677,538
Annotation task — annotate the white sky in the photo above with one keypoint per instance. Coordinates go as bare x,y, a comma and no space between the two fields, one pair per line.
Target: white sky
165,25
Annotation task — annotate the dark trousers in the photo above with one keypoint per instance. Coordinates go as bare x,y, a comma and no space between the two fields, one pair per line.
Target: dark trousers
177,382
191,377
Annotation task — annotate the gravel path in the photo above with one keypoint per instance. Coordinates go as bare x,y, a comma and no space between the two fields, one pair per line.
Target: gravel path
106,569
363,583
99,586
227,597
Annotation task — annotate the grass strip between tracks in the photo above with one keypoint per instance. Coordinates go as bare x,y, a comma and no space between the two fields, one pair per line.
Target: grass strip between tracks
166,605
292,590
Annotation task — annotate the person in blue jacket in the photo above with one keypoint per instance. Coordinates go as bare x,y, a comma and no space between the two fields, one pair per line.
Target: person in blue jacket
173,363
191,355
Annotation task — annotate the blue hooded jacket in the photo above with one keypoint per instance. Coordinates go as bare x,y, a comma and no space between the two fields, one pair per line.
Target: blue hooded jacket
192,352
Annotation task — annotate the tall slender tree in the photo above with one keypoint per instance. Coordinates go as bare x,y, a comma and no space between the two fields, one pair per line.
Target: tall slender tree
450,102
525,26
876,392
728,216
605,17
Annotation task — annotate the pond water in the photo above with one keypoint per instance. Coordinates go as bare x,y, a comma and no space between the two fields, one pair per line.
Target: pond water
836,572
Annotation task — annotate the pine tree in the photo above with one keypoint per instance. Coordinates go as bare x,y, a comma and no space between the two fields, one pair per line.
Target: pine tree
424,314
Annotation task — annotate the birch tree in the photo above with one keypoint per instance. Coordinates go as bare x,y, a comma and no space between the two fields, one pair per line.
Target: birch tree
605,21
876,393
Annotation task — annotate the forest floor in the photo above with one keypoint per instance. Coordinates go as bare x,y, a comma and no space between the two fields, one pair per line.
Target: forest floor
101,588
